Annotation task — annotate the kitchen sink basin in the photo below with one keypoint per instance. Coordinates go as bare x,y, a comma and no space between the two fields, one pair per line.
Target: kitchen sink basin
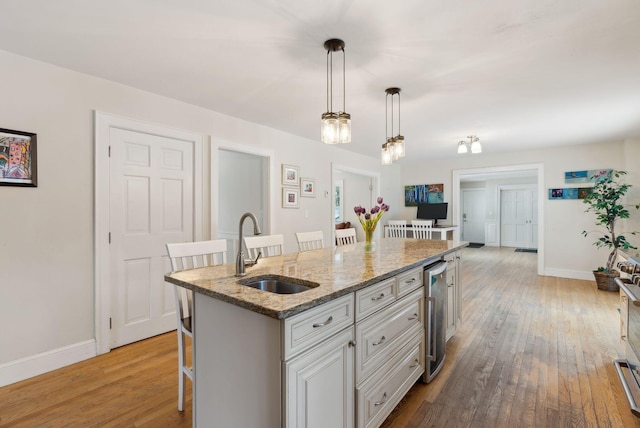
278,284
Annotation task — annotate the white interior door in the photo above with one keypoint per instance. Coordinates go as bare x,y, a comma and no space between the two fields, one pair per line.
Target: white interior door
473,215
519,218
151,203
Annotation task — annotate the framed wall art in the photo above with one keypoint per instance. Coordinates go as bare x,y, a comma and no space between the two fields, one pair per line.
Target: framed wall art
290,175
18,158
308,187
586,176
290,197
423,194
570,193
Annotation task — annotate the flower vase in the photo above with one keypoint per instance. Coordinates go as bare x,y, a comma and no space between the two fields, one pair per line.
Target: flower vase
368,240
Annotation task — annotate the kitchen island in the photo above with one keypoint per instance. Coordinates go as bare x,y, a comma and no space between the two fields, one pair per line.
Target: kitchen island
270,360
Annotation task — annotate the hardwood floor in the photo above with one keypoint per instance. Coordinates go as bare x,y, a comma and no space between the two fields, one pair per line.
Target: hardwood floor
532,351
132,386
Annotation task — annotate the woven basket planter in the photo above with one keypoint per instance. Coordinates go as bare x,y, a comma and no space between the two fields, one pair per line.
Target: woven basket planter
605,281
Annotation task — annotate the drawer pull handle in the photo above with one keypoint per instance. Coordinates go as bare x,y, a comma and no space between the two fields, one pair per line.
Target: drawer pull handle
413,366
352,343
382,339
377,298
322,324
413,317
381,402
409,281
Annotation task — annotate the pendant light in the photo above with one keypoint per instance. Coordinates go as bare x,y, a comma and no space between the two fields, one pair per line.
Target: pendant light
393,148
336,127
473,144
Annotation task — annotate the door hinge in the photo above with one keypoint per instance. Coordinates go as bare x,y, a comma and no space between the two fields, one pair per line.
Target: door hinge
110,324
109,237
109,151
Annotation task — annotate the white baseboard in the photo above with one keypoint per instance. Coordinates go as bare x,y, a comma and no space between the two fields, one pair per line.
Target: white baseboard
33,365
566,273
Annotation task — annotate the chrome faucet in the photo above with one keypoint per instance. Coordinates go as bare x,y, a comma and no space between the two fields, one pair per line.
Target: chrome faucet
240,260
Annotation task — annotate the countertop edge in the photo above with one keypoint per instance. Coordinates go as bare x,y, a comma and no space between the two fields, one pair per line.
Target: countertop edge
294,310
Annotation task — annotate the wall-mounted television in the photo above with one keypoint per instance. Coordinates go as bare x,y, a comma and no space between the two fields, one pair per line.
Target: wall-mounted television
433,212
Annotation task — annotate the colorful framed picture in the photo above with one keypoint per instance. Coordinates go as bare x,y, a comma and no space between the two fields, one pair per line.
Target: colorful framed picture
18,158
290,197
308,187
290,175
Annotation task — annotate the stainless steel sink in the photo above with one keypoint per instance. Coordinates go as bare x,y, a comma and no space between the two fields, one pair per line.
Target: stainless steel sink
278,284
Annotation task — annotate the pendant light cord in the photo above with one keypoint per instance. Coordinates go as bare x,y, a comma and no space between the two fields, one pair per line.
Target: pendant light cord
344,82
399,133
386,118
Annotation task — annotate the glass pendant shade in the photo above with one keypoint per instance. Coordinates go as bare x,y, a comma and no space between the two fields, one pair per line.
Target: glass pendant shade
386,155
399,146
329,131
476,147
462,147
391,146
344,128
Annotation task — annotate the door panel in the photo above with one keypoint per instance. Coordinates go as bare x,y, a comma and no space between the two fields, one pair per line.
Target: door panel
518,218
151,203
473,215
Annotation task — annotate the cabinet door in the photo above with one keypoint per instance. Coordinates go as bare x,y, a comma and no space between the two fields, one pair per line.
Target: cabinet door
624,314
319,385
451,308
454,293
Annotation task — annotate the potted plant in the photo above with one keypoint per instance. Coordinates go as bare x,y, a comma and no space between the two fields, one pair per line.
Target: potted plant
604,202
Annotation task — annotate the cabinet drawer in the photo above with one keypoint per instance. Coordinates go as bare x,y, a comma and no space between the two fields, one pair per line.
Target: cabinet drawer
382,334
374,297
315,325
379,395
409,281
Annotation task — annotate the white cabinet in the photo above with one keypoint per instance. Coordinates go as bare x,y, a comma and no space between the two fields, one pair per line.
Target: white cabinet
318,375
382,334
390,346
380,393
454,293
307,370
319,385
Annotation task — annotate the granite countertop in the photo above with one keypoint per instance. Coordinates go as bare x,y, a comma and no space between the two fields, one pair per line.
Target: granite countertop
338,271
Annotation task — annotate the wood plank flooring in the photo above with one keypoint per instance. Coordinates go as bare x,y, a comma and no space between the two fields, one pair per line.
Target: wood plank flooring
532,351
132,386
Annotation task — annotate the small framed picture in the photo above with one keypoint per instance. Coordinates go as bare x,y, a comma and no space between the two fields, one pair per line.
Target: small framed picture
290,175
308,187
290,198
18,158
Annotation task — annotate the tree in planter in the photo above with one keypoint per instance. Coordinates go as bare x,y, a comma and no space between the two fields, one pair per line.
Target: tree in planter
604,201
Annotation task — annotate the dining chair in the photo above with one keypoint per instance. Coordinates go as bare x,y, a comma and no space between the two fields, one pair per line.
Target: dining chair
190,255
422,228
397,228
266,245
345,236
310,240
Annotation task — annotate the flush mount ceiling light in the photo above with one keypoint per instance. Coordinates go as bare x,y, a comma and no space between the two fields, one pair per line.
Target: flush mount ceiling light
393,148
473,144
336,127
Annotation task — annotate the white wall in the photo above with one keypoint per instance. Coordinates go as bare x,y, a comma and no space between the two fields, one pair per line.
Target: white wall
566,251
46,250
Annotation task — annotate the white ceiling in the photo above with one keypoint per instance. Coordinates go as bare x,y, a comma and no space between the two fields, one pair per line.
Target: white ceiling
516,73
